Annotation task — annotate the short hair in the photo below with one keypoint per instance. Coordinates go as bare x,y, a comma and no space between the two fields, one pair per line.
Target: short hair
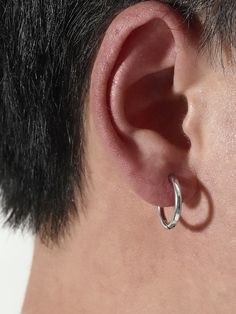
47,50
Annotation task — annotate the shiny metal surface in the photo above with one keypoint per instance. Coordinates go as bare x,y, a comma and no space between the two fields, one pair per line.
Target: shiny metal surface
177,209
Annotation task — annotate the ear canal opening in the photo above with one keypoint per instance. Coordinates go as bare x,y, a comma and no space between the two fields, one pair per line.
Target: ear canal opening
153,105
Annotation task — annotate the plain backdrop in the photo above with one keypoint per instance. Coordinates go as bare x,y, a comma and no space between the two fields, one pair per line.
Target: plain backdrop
16,252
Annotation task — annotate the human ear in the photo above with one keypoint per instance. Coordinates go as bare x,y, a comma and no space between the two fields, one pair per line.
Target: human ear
136,110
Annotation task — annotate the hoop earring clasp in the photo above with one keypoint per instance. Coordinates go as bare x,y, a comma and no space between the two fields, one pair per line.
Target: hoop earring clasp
177,209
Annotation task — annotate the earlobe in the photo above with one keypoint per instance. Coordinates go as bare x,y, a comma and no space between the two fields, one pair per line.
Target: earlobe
136,112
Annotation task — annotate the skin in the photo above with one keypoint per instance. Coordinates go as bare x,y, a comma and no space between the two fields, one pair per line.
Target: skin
119,259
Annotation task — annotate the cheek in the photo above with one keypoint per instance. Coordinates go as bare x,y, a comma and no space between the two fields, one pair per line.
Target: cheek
217,157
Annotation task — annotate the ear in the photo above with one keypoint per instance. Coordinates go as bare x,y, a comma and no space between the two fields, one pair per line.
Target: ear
136,110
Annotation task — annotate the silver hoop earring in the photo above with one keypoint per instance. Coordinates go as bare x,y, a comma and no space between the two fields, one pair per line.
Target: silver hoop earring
177,209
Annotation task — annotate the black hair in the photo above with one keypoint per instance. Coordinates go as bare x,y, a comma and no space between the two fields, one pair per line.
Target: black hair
46,54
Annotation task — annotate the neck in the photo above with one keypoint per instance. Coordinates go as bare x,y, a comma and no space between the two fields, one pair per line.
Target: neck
112,252
118,256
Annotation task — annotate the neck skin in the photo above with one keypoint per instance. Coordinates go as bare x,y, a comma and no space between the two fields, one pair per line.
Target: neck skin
119,258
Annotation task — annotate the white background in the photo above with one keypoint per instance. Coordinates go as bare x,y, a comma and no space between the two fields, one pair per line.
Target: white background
16,252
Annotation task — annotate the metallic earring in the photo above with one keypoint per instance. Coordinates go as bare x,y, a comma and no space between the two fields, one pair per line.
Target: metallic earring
177,209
